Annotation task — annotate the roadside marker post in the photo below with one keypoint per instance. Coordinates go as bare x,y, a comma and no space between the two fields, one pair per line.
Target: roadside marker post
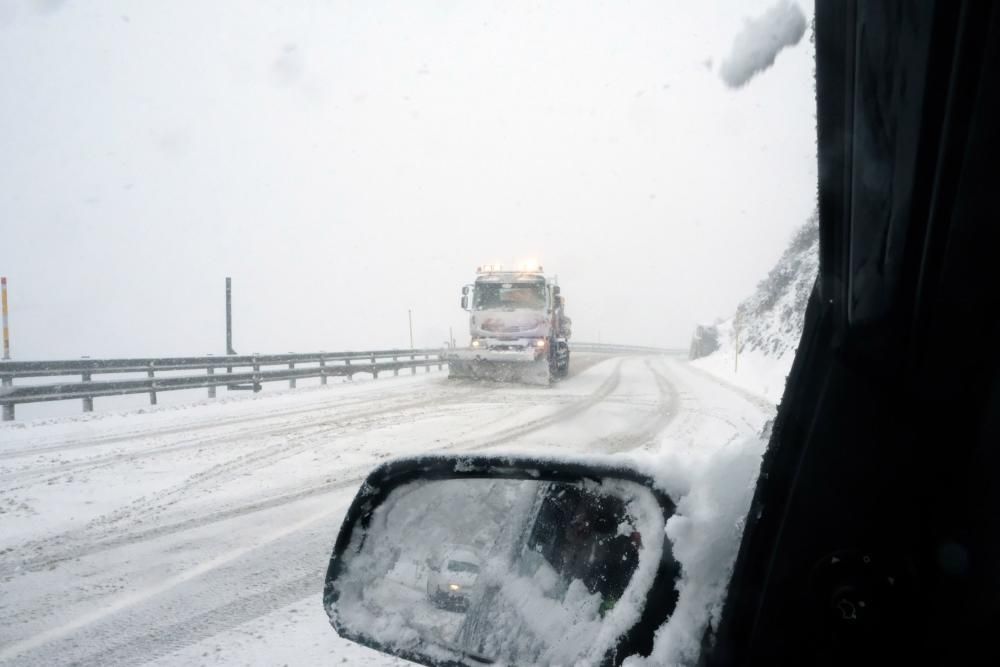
6,329
8,409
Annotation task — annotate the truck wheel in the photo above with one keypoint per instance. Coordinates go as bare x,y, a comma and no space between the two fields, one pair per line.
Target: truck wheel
562,365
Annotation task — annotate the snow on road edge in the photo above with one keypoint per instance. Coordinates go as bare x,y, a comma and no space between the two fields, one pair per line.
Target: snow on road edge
709,464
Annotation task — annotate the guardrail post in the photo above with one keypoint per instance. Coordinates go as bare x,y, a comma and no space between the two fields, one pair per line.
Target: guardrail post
256,373
291,381
440,362
151,376
427,366
374,371
413,364
350,375
322,372
88,402
395,369
211,389
8,408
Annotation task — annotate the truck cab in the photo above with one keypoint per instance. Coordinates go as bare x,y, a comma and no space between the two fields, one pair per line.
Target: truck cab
517,326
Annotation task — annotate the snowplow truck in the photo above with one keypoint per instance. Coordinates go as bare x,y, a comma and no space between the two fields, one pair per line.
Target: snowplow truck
519,329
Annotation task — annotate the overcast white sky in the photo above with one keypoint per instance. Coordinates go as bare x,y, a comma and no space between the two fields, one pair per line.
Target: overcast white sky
347,161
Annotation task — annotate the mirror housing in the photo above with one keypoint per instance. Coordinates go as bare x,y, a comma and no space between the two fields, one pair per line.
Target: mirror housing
359,542
465,303
465,290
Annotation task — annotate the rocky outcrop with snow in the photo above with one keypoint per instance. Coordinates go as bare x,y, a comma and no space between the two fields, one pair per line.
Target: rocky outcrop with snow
754,348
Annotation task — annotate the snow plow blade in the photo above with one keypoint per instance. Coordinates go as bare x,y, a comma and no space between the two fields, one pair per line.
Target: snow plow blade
499,366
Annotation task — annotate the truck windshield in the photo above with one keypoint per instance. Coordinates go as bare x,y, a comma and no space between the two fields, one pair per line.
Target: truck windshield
510,295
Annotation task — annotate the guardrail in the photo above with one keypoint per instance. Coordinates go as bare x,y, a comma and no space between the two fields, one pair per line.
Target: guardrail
322,365
625,349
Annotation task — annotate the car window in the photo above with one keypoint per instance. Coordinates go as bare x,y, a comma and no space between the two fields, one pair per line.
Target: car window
234,244
459,566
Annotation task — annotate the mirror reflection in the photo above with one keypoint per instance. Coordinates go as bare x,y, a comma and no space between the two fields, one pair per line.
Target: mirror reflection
521,571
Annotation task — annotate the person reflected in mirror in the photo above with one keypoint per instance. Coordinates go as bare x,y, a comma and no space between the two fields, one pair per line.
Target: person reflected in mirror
596,550
619,566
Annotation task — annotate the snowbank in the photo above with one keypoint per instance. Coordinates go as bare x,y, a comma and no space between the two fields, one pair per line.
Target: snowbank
754,371
705,534
712,473
761,40
710,467
757,345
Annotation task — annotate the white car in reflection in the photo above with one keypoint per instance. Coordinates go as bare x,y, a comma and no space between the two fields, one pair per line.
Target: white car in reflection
452,581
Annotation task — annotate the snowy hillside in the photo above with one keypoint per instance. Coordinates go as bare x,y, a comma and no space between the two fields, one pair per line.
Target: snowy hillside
766,326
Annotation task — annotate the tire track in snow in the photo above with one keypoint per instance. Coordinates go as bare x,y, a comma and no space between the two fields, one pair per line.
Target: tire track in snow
201,425
128,638
221,577
330,414
601,393
117,539
163,641
242,610
750,397
239,611
114,537
664,412
301,442
58,548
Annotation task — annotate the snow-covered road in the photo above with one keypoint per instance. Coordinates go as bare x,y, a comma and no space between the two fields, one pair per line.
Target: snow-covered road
200,534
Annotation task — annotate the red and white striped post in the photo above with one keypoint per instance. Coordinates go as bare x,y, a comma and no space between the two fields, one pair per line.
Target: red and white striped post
6,330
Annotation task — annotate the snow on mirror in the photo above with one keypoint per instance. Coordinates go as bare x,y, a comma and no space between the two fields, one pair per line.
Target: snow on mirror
501,570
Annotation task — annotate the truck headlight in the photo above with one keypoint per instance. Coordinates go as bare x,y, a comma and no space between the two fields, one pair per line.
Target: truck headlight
453,587
475,343
540,342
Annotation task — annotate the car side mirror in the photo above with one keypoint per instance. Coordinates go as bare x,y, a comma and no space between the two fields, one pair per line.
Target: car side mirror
539,561
465,303
465,289
559,301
